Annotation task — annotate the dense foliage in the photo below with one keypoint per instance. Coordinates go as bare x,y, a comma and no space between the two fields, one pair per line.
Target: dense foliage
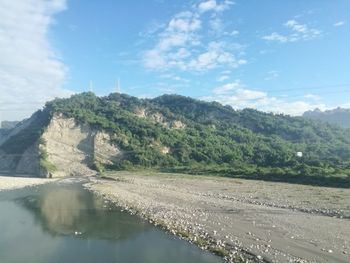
215,139
337,116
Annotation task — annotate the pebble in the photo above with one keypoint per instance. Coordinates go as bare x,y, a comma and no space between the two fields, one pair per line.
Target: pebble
184,222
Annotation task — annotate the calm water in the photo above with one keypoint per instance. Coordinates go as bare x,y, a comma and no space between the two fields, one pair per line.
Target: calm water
62,222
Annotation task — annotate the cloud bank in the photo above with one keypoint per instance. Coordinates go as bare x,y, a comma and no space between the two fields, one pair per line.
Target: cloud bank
31,72
182,44
295,32
238,96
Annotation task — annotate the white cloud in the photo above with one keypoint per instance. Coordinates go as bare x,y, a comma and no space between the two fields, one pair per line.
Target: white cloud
216,25
239,97
339,23
224,75
213,5
233,33
174,78
222,78
183,44
214,57
184,22
312,97
275,37
296,32
345,105
31,72
227,88
206,6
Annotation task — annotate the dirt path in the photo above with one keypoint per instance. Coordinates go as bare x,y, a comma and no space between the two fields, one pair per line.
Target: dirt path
239,219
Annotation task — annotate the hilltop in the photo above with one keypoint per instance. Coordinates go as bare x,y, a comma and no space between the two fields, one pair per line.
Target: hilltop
337,116
86,133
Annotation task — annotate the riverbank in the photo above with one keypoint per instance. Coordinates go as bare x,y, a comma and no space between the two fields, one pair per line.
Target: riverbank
239,219
9,183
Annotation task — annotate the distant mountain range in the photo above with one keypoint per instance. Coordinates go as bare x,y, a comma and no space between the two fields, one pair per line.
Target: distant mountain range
337,116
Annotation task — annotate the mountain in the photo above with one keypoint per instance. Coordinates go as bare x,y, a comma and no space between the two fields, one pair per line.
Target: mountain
5,127
337,116
86,133
8,124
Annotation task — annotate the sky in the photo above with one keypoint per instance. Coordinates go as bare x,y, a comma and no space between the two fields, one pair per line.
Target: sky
276,56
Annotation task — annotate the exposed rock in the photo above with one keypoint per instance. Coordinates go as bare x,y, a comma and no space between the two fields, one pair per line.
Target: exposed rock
165,150
178,125
157,117
67,147
104,151
162,148
74,148
140,112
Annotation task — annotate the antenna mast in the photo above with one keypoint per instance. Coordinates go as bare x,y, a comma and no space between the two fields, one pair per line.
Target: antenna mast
118,86
91,86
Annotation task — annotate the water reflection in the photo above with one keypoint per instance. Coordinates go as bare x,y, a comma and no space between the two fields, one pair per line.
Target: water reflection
44,225
71,210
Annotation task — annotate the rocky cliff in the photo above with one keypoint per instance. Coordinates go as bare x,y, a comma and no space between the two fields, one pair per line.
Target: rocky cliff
63,148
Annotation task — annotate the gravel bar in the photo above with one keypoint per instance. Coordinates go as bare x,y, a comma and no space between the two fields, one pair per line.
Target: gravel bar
240,220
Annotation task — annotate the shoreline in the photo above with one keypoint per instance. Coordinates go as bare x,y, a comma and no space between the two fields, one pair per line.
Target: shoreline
14,182
205,211
200,238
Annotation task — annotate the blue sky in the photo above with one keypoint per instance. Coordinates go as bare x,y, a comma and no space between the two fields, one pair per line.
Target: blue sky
280,56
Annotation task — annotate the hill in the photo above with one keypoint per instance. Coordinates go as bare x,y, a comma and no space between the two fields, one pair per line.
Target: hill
8,124
172,133
337,116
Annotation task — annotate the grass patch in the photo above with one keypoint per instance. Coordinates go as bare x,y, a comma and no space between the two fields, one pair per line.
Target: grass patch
221,252
47,166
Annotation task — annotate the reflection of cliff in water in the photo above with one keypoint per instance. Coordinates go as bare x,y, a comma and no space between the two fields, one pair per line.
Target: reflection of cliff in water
70,209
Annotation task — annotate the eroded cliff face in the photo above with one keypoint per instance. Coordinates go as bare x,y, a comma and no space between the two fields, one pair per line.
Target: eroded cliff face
65,148
158,117
75,149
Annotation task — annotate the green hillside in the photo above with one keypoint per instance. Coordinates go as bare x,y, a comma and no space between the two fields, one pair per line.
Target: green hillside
176,133
338,116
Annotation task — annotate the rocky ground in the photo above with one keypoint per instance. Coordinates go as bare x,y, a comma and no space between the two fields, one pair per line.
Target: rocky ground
7,183
241,220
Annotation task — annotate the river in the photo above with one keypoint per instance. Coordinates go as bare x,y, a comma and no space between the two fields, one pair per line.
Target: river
63,222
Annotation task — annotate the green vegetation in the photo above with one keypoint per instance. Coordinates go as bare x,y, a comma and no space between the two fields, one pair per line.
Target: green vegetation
47,166
216,139
44,164
338,116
